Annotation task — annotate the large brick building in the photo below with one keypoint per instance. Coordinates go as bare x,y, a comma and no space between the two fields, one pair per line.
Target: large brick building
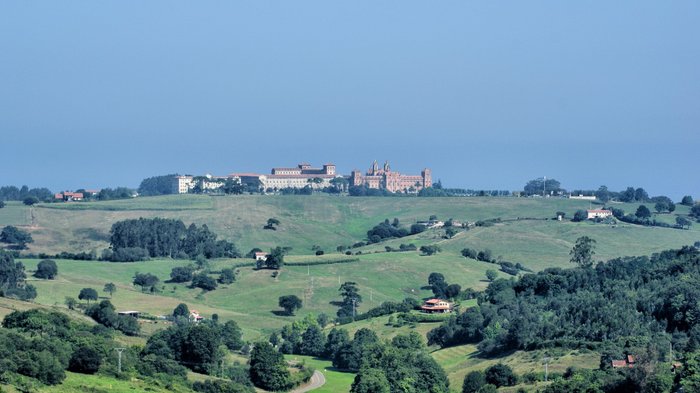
297,177
385,178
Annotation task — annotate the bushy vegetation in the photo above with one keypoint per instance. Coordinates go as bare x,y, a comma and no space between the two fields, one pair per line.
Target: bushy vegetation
386,230
157,185
12,278
159,237
627,297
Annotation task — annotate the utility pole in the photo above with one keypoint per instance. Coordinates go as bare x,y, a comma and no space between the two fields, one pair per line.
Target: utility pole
354,306
119,351
544,186
546,368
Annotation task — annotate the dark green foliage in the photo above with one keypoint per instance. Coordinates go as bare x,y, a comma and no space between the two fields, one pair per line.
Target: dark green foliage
87,294
687,201
157,185
370,380
181,310
642,212
85,360
540,186
169,238
585,305
2,204
337,339
388,307
110,288
146,281
289,303
274,260
695,211
181,273
46,269
105,314
583,251
351,298
312,341
227,276
469,253
663,204
491,274
580,215
195,346
12,278
15,236
231,335
386,230
410,341
30,200
107,194
125,254
500,375
268,370
417,228
473,382
12,193
203,281
430,249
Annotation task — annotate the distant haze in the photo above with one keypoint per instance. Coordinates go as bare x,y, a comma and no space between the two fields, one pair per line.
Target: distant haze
486,94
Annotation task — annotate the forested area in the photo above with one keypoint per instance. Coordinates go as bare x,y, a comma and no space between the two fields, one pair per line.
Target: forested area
639,306
159,237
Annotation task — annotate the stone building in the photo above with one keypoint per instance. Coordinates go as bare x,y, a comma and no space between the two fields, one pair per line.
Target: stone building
385,178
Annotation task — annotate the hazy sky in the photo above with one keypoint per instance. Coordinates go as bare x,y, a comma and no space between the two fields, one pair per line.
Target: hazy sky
488,94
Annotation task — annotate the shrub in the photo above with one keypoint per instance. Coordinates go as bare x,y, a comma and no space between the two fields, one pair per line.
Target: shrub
85,360
46,269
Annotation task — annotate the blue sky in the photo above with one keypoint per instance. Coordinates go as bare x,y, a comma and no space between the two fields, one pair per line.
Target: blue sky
487,94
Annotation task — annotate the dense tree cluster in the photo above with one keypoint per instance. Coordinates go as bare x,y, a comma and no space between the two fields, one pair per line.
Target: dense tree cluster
12,278
46,269
542,186
161,237
15,237
105,314
157,185
195,346
625,297
386,230
12,193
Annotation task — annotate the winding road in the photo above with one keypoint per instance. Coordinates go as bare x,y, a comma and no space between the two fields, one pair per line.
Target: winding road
317,380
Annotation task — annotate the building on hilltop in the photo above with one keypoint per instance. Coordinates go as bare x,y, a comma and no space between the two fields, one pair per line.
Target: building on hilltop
298,177
389,180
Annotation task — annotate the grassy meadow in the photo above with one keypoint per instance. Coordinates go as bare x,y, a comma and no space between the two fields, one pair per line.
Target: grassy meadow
527,235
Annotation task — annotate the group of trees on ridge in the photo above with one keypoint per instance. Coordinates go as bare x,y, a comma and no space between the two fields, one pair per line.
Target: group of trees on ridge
161,237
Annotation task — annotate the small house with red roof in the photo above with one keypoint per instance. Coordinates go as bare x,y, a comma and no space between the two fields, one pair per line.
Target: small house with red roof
436,306
261,256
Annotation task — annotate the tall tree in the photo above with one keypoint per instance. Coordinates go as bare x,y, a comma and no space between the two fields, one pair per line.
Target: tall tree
351,298
110,288
268,370
583,251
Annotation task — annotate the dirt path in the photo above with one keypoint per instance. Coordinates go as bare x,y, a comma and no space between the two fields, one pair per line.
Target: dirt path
317,380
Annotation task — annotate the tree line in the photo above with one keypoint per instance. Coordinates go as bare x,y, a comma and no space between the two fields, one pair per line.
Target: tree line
630,305
160,237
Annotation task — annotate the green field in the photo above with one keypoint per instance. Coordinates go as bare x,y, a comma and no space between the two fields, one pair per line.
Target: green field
336,381
330,221
461,360
525,236
252,299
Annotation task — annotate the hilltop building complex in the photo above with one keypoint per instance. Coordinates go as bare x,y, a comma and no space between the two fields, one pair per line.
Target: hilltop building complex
389,180
304,175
